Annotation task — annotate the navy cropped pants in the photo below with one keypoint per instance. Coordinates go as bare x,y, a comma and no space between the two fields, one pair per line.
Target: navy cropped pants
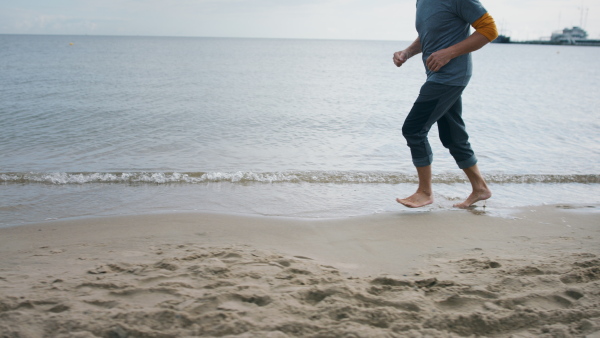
442,104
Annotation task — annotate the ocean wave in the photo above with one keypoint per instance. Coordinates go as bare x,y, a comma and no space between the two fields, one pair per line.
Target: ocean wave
241,177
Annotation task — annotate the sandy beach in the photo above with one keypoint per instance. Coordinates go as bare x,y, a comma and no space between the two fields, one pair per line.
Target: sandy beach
406,274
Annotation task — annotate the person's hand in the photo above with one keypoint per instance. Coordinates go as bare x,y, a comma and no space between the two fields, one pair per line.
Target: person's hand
400,58
438,59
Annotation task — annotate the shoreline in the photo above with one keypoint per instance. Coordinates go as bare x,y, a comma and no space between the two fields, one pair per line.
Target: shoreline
438,274
330,238
39,203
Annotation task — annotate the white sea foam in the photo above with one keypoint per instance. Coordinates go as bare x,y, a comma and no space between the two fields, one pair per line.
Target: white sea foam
315,177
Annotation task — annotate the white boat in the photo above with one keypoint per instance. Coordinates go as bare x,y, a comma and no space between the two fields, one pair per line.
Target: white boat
572,36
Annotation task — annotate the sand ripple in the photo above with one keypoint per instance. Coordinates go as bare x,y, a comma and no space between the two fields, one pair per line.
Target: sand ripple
240,291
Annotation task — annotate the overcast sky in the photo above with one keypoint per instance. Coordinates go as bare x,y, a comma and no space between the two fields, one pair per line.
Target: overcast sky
312,19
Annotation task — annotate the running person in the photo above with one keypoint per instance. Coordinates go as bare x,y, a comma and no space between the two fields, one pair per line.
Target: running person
443,37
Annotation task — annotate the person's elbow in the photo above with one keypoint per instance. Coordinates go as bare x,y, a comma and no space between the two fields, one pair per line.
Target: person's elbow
490,32
486,26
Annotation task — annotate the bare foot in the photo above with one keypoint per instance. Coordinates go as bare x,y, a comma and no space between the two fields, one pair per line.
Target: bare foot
416,200
476,196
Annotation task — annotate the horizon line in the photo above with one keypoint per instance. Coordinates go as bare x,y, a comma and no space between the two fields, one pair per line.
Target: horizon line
203,37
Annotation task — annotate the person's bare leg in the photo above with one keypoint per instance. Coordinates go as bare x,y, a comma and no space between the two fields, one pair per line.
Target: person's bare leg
480,192
424,194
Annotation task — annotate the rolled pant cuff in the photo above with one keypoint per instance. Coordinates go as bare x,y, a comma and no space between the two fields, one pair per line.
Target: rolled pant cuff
423,161
471,161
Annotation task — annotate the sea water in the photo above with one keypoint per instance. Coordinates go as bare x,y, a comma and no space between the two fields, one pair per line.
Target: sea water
101,126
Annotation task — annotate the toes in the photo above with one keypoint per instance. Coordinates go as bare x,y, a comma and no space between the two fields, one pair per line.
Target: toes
404,203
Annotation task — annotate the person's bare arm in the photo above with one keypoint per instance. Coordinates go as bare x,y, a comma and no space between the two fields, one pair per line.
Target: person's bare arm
402,56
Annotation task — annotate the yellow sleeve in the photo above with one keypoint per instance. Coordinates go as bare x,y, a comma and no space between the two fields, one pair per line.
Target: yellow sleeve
486,26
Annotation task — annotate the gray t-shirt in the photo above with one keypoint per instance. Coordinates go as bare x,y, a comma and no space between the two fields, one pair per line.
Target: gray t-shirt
441,24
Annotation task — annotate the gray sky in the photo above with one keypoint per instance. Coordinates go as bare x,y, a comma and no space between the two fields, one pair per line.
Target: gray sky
313,19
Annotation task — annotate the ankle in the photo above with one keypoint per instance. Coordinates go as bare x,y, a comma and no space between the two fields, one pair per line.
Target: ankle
479,185
425,191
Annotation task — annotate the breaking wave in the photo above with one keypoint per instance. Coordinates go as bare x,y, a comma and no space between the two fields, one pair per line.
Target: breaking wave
334,177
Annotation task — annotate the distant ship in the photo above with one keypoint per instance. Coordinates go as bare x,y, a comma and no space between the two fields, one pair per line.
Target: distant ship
571,36
502,39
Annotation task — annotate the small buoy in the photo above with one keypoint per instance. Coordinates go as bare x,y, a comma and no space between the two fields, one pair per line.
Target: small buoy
71,44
